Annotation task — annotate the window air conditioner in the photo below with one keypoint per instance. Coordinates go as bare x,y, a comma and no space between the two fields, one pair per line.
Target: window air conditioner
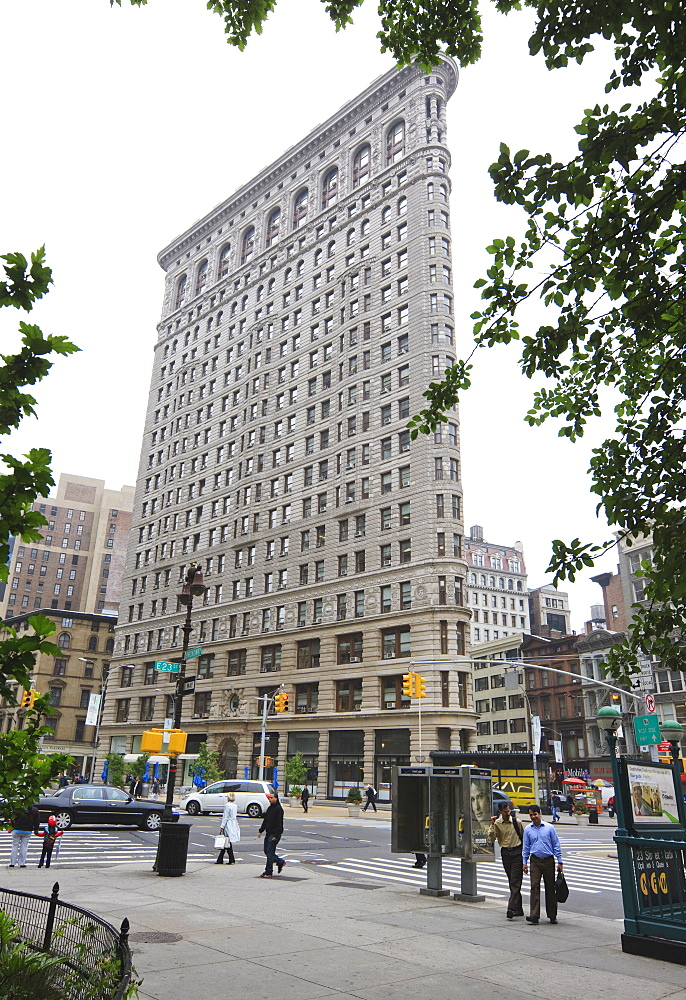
355,659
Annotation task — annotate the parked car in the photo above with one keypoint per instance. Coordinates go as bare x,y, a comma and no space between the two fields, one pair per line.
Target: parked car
99,804
251,797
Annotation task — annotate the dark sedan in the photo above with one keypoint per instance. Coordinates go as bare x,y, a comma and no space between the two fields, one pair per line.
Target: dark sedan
99,804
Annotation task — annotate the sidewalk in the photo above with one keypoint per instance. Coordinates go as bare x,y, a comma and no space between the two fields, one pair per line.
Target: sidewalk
307,935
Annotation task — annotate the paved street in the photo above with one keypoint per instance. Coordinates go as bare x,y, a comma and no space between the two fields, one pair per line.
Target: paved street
354,849
318,932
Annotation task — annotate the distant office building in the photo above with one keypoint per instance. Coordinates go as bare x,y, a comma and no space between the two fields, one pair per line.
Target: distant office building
303,319
79,563
614,607
497,587
549,612
86,643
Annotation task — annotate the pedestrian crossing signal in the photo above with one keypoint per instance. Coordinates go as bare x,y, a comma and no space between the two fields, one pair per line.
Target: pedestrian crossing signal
408,684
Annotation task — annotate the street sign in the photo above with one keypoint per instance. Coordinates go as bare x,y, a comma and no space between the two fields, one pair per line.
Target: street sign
168,668
187,686
650,703
647,730
190,654
645,679
664,747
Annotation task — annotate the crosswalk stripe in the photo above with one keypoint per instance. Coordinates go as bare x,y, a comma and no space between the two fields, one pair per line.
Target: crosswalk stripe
492,881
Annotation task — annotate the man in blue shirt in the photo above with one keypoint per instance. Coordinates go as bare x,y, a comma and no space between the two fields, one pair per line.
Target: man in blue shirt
541,846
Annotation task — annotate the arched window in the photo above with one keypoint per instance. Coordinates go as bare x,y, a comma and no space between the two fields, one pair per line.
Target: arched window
501,583
361,164
395,142
273,226
330,187
64,640
351,237
491,581
519,584
109,646
300,208
248,246
402,205
180,292
201,278
510,585
443,192
385,214
430,191
224,260
472,579
317,257
93,644
331,249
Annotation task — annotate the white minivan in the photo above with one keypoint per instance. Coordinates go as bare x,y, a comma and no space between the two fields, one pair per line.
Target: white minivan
251,798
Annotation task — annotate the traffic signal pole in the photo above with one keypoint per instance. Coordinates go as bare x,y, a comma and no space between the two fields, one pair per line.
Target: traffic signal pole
263,740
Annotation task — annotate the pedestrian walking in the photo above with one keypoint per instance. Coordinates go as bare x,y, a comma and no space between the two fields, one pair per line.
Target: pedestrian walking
509,833
611,806
569,802
137,788
272,827
420,861
370,792
541,846
556,808
155,789
305,798
229,829
24,825
64,780
51,837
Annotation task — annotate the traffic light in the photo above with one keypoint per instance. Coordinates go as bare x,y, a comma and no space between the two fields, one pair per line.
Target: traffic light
28,698
408,685
281,701
419,686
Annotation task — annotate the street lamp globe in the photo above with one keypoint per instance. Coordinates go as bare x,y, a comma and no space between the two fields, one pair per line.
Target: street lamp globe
609,719
671,731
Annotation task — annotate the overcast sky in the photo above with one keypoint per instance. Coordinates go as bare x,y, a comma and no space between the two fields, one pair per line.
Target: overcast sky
121,127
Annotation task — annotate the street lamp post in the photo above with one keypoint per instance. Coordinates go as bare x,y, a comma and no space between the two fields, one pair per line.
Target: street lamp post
671,732
193,587
98,719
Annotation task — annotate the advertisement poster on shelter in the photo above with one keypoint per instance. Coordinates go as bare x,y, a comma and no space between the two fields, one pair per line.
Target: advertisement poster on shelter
653,799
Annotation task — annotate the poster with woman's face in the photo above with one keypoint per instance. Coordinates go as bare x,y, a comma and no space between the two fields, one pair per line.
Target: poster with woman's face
652,794
481,805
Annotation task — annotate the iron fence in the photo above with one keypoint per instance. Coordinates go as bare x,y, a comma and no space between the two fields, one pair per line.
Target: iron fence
97,957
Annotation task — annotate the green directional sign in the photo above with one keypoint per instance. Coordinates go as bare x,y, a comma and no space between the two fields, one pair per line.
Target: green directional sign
168,668
190,654
647,730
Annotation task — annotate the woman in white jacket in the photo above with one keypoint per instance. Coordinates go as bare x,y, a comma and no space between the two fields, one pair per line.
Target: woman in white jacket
229,828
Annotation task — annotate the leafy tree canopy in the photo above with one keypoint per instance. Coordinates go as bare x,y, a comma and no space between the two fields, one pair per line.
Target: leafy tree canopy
604,249
207,765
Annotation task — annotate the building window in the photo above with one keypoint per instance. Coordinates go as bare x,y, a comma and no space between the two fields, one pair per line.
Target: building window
349,695
60,668
271,658
349,648
395,142
300,208
147,709
180,292
396,642
306,698
123,709
55,695
273,226
248,245
330,187
126,677
392,693
308,654
237,661
224,260
361,164
202,703
64,640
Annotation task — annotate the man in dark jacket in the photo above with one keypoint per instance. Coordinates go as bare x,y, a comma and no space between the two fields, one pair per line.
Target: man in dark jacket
24,826
272,827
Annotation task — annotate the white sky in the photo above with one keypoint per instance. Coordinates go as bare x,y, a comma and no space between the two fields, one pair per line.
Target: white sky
124,126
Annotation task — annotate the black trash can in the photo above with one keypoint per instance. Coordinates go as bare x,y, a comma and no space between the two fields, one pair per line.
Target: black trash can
592,815
172,849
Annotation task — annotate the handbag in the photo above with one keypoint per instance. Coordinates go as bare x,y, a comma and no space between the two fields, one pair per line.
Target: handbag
561,888
221,842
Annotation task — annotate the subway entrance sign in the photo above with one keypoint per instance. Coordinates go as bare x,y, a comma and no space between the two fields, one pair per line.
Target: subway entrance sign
168,668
